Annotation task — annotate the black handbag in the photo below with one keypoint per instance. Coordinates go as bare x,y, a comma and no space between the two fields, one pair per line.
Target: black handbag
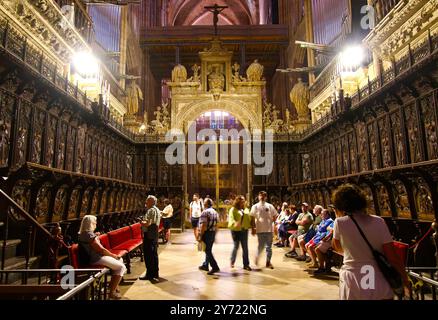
389,272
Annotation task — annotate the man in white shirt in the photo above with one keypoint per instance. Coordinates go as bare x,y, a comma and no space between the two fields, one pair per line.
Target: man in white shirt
196,208
263,215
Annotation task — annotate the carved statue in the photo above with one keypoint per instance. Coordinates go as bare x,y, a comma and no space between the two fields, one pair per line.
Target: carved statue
4,144
216,79
271,118
236,73
129,167
196,77
134,94
36,148
21,144
300,97
432,141
179,73
306,168
161,124
255,71
60,163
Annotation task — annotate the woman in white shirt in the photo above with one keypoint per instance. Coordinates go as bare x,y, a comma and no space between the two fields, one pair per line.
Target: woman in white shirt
360,277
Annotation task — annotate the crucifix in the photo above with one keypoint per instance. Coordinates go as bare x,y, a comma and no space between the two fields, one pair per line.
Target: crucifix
216,10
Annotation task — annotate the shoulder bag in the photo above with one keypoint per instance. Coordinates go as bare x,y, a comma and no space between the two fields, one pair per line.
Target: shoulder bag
389,272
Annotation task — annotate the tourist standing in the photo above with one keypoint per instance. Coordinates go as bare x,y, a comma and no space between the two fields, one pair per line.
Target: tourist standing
239,222
207,234
149,226
350,205
196,207
263,215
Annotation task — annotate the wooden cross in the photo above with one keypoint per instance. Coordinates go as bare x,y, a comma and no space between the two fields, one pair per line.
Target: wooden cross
216,10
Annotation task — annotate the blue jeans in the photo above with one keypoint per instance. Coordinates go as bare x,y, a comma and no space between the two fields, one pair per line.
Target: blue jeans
240,237
265,240
208,238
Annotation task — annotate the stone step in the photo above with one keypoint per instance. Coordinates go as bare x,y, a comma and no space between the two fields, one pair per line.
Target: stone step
11,248
175,230
18,263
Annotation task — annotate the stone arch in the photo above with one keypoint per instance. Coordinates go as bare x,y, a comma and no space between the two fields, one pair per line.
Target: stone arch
239,109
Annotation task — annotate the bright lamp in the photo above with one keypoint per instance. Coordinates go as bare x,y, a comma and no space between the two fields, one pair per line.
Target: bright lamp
352,57
85,63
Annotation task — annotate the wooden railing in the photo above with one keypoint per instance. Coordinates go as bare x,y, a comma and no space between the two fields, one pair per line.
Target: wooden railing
36,61
32,227
82,21
383,7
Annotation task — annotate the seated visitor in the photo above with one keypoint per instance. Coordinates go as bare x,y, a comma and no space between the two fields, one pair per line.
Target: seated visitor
280,218
287,225
303,222
305,238
350,205
98,255
321,232
321,251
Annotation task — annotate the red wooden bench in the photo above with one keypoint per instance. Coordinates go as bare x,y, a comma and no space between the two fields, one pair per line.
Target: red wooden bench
121,242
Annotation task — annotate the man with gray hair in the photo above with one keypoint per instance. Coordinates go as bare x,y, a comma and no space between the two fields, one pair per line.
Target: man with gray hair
149,226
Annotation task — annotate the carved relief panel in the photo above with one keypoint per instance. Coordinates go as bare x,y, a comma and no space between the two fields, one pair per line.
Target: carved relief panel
397,136
21,138
69,154
428,115
37,139
80,153
42,202
383,200
282,169
95,201
370,199
103,203
86,198
423,200
401,200
21,194
412,127
50,140
372,138
352,150
74,202
306,167
60,203
361,134
385,142
60,154
6,110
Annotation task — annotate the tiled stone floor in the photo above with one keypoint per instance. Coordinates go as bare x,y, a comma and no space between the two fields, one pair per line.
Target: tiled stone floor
179,261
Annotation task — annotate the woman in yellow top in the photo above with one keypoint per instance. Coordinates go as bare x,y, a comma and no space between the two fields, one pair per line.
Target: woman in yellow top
239,222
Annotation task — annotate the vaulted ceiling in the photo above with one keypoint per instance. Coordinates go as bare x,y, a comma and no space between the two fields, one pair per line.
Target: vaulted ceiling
239,12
